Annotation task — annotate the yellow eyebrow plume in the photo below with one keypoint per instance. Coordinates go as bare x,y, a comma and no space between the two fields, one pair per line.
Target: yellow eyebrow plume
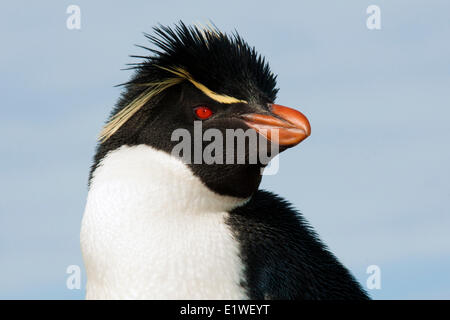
213,95
119,119
134,106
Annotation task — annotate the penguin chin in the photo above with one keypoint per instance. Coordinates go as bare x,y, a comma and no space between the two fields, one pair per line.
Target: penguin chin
235,180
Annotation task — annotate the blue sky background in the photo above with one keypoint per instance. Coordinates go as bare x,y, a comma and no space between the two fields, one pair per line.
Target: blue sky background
373,179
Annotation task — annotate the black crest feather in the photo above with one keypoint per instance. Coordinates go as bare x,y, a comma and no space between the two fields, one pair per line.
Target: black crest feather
224,63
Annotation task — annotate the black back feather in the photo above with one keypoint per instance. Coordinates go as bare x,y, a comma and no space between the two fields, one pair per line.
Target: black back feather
284,257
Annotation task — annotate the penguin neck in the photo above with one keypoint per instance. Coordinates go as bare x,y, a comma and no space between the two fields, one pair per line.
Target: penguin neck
147,217
155,177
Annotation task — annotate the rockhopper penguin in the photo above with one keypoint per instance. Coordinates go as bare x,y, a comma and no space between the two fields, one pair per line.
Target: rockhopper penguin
159,227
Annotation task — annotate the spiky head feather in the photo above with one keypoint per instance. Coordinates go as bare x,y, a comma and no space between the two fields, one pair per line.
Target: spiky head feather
222,66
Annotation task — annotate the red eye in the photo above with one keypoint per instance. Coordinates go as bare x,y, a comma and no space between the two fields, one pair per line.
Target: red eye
203,112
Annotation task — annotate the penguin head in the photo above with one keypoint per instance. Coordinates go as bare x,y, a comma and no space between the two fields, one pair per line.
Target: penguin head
199,80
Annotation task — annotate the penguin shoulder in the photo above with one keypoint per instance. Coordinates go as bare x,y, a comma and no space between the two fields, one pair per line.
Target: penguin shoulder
284,258
271,213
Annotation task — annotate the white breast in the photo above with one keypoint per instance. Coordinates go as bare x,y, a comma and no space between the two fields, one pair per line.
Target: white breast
152,230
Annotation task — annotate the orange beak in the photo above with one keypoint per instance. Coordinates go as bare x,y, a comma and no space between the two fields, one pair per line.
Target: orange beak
287,127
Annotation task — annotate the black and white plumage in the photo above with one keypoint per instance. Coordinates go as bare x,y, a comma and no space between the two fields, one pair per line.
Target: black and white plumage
159,228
